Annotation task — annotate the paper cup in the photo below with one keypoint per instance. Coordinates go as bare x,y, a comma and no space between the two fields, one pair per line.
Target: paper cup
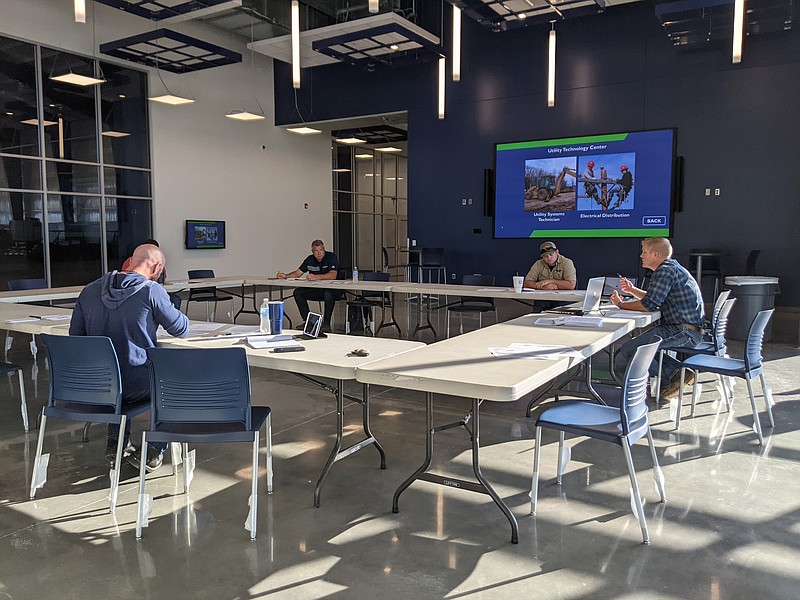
518,281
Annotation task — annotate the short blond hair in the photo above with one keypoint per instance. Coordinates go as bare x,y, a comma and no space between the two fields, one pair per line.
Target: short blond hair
660,245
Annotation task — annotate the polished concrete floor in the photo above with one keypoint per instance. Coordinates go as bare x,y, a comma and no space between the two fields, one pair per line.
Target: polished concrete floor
730,527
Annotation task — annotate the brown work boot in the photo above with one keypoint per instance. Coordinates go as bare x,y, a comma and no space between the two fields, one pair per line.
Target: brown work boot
674,387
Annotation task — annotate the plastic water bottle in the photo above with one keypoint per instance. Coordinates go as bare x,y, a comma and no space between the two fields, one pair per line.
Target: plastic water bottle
355,273
263,314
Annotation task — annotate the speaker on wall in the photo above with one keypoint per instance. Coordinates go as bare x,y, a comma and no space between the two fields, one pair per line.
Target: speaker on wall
488,192
678,184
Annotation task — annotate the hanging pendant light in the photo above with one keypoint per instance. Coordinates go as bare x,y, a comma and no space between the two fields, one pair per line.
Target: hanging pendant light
442,78
456,43
738,31
80,11
295,44
551,67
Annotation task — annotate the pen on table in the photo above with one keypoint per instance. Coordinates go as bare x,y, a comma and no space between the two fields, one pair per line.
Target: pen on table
34,317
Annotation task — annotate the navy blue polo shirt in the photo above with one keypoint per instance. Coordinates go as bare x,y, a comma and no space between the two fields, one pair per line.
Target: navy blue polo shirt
328,263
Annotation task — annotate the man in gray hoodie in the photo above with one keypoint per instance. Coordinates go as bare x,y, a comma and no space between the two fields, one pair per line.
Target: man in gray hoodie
128,306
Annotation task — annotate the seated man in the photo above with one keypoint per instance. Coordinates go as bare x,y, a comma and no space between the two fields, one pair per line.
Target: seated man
174,298
675,293
320,265
551,272
128,306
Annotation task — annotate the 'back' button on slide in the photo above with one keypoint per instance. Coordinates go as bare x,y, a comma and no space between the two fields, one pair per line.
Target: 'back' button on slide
654,221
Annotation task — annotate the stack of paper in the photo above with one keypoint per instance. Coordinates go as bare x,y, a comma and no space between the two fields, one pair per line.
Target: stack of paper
271,341
570,321
537,351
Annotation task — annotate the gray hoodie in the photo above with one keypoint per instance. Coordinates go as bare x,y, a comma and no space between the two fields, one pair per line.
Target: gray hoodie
128,308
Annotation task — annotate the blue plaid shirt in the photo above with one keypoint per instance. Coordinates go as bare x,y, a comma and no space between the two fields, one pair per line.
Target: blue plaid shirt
675,293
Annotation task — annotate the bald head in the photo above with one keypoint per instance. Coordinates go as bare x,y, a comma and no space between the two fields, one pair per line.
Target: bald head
148,260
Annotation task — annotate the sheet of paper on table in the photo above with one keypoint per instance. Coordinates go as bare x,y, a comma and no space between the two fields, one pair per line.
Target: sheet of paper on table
570,321
535,351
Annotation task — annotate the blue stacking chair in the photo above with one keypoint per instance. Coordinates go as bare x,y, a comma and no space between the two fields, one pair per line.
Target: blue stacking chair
477,306
622,425
747,367
716,346
203,396
8,369
208,295
85,386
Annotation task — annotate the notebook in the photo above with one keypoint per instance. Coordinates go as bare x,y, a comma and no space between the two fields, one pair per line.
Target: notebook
590,301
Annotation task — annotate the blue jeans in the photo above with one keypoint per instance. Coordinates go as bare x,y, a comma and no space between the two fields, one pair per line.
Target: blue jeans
670,367
113,430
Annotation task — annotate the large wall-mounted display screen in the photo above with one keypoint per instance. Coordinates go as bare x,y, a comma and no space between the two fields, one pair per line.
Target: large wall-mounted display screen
205,234
614,185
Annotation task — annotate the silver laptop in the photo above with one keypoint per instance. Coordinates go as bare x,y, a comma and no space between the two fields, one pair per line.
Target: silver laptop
591,301
612,285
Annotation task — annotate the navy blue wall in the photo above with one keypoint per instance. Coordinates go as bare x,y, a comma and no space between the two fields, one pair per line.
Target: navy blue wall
738,130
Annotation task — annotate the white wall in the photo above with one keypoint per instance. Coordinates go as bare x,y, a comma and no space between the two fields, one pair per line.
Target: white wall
206,166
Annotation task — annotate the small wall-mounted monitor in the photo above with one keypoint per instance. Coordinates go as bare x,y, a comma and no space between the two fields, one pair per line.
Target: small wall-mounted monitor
205,235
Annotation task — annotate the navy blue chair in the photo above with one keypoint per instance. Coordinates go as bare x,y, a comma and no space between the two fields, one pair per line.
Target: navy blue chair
8,369
25,284
748,367
85,385
474,305
716,346
208,295
622,425
203,396
367,302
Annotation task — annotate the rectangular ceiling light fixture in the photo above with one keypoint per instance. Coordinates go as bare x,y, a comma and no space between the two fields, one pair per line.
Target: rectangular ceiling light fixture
456,43
389,149
303,130
295,44
76,79
351,140
243,115
171,99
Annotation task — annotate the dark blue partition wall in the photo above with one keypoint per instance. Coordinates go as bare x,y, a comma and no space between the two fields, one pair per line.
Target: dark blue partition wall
737,127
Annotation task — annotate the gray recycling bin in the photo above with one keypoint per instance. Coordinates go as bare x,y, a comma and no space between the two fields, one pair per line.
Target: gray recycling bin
753,294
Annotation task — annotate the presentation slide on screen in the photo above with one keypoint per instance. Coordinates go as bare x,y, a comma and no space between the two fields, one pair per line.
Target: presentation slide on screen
205,234
615,185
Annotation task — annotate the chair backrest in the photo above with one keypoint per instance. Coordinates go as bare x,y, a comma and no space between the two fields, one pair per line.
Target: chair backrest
201,274
481,280
196,386
375,276
26,284
385,255
720,327
718,304
633,408
83,370
343,273
755,339
432,257
750,263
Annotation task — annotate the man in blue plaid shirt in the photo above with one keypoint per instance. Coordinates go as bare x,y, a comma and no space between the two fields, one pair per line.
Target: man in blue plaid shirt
675,293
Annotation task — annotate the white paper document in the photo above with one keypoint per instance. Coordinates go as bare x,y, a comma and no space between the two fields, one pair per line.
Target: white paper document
536,351
241,330
570,321
624,314
271,341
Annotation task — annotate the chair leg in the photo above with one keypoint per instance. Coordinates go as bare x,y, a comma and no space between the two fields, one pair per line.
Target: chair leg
24,404
727,395
254,490
679,400
117,465
658,377
564,454
38,464
756,420
658,474
269,453
636,499
767,399
186,467
141,517
9,341
535,478
86,432
448,324
697,389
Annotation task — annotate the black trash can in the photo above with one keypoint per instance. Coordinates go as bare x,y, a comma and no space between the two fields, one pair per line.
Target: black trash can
753,294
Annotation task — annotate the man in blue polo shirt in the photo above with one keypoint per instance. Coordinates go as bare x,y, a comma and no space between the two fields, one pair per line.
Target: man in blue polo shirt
320,265
675,293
